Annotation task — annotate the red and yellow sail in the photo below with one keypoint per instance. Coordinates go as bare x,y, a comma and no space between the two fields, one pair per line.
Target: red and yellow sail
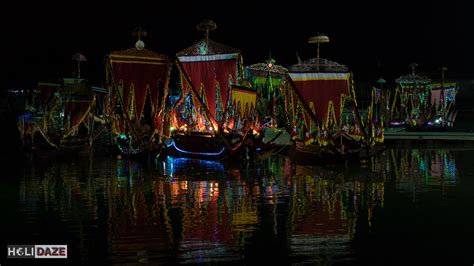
136,75
324,93
211,68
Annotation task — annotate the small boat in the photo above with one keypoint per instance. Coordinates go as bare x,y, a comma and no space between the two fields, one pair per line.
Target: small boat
60,117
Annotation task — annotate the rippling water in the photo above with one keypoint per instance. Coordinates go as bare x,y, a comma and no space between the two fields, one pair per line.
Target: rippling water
404,206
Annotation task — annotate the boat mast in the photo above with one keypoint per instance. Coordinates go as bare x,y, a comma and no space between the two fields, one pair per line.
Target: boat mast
384,101
443,69
413,67
269,63
413,75
319,38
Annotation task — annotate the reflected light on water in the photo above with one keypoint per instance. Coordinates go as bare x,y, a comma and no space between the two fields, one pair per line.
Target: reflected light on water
192,211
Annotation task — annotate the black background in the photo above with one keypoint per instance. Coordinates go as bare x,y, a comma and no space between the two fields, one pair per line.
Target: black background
372,39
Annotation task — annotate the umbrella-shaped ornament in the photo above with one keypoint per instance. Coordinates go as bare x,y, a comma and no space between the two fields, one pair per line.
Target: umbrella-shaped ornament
79,58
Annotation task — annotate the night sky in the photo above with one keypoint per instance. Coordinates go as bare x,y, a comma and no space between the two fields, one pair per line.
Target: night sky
371,39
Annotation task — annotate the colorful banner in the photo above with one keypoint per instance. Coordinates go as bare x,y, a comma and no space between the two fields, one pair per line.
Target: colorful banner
443,93
212,74
325,92
77,97
75,111
139,73
247,100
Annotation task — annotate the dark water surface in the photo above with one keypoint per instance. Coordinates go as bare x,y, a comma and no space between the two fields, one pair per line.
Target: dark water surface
404,207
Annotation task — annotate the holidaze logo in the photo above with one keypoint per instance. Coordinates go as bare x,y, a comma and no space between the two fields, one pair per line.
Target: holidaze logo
37,251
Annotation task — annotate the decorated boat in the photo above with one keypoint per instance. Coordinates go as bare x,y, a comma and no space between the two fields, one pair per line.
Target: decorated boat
138,83
60,117
214,117
269,80
320,95
421,104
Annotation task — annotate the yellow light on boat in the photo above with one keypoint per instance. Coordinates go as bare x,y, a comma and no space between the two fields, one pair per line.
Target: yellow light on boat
210,128
172,129
255,132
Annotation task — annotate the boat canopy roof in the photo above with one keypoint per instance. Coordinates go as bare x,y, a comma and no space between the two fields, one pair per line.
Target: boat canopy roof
207,48
410,79
325,65
139,53
262,69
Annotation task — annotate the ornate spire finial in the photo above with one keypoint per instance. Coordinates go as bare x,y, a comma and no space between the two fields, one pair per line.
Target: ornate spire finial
79,58
381,81
318,38
139,31
270,61
206,26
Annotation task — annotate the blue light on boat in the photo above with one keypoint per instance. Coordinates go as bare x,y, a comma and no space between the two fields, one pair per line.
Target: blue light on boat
172,143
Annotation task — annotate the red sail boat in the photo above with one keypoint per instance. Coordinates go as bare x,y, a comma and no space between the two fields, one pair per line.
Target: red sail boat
138,81
214,117
61,116
320,93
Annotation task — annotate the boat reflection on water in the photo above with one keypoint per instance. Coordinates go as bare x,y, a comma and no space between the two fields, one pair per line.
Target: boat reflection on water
127,170
420,171
191,211
214,219
138,223
58,203
182,167
209,211
327,208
